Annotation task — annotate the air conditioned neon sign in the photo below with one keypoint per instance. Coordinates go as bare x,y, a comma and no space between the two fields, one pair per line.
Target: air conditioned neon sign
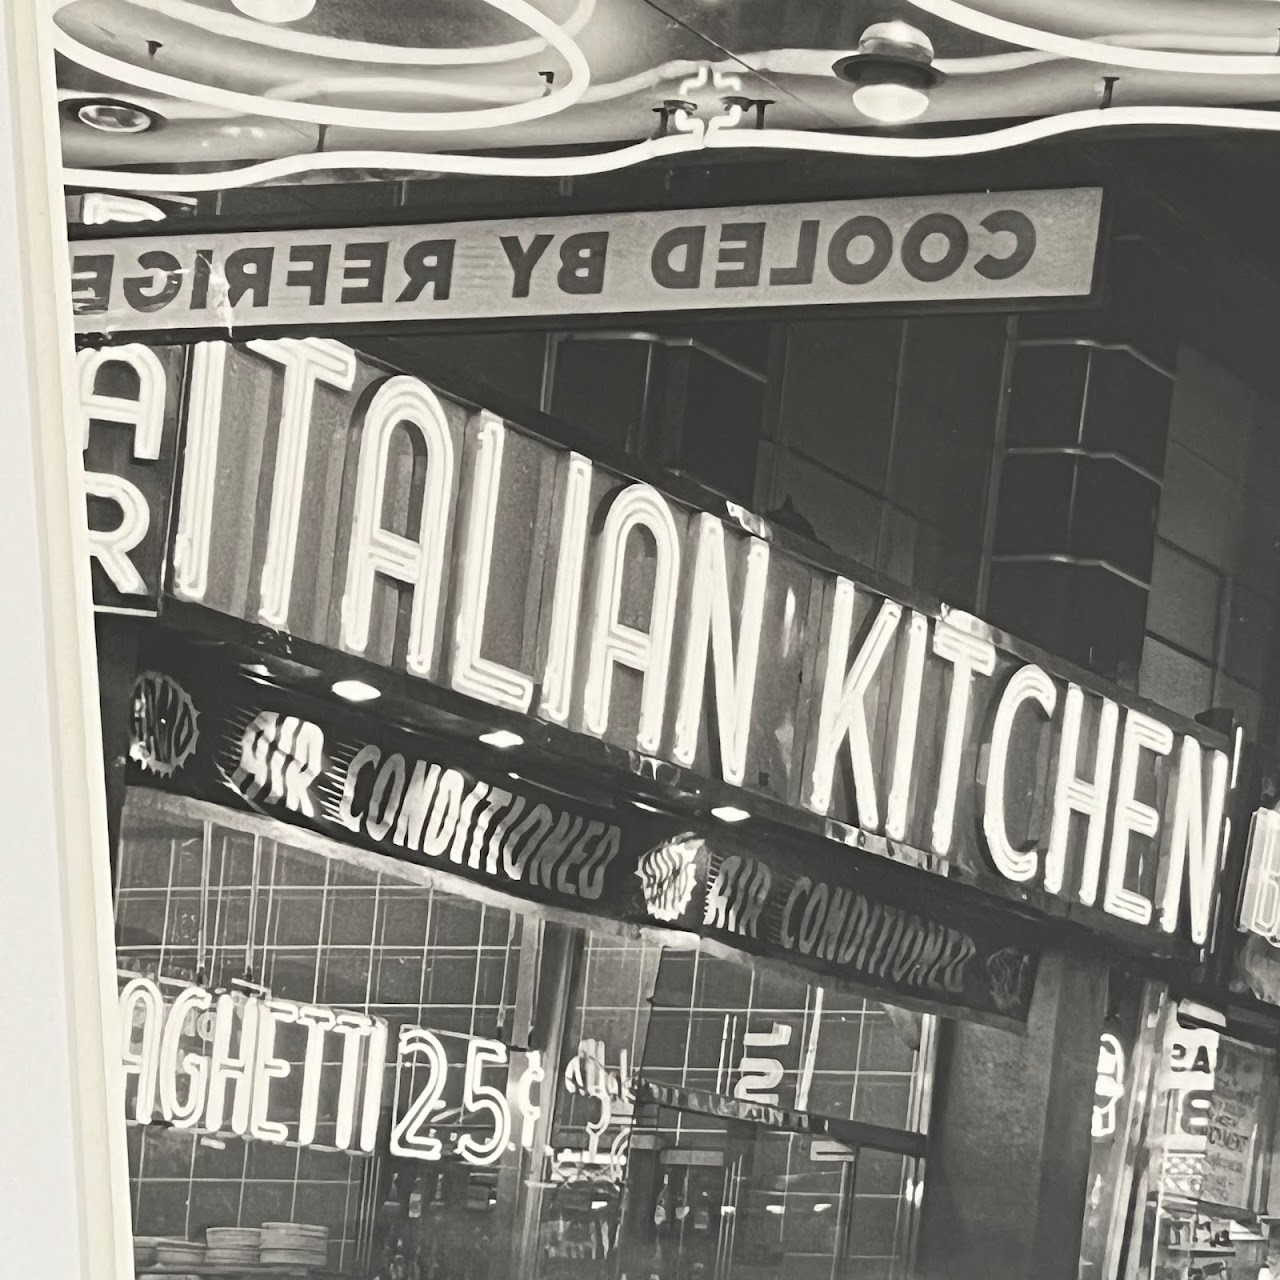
533,580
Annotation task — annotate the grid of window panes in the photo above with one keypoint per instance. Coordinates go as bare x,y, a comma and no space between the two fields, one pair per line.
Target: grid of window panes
882,442
1214,606
582,1195
203,902
217,902
802,1208
725,1201
832,1053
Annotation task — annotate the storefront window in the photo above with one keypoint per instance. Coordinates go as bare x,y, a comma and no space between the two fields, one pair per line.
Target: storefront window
769,1036
204,904
715,1200
1127,1050
1193,1202
471,1148
585,1180
712,1196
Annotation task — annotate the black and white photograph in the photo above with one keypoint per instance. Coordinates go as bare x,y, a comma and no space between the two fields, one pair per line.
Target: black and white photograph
648,639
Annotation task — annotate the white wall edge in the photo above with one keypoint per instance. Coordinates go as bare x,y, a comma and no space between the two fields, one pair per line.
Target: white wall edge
64,1196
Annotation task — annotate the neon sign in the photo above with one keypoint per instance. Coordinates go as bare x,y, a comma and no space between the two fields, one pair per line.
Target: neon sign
416,1132
1110,1086
218,1075
1260,900
919,727
245,1063
608,1131
128,434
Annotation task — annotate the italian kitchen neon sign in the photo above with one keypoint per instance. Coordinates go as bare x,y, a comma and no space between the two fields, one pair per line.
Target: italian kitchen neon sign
371,513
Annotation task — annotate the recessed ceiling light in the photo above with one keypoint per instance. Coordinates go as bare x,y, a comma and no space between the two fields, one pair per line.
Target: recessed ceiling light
356,691
730,813
110,116
503,739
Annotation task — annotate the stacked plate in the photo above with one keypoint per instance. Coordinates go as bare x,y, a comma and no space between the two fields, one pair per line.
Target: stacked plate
232,1246
144,1251
179,1253
294,1244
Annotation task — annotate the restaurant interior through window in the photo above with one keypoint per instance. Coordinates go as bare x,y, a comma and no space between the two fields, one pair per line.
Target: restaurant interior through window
267,975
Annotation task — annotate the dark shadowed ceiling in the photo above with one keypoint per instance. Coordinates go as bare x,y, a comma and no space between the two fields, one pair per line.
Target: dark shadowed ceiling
312,87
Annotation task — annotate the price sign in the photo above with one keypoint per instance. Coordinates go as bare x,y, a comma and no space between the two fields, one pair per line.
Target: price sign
463,1096
251,1065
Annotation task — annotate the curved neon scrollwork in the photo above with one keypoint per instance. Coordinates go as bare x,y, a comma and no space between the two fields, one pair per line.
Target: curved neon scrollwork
535,108
1109,54
689,133
675,144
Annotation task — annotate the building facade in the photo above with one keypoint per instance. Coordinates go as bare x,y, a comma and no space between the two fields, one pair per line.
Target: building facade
703,788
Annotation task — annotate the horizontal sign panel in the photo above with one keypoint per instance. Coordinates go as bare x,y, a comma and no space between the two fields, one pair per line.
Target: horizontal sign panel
987,247
357,781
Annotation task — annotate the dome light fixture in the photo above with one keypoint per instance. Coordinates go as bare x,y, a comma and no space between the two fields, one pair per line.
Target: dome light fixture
891,72
109,115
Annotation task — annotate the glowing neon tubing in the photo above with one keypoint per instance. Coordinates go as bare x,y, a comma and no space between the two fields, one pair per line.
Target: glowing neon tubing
1216,64
557,100
233,26
871,146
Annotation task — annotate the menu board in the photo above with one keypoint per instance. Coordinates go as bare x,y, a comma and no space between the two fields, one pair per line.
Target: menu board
1233,1124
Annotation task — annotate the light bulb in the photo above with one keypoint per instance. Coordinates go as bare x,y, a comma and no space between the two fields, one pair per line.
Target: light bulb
115,117
890,103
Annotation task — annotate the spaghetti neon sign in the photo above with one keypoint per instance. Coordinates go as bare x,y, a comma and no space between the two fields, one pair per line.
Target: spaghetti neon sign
222,1061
